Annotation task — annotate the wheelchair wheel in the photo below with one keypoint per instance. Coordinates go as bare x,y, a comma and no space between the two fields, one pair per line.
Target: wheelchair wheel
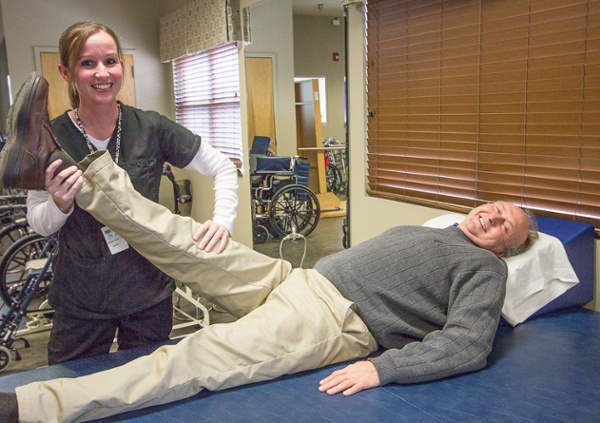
11,233
5,357
260,234
294,207
13,270
333,179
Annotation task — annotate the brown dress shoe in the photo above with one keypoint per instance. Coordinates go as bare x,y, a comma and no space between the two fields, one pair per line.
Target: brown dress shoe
30,141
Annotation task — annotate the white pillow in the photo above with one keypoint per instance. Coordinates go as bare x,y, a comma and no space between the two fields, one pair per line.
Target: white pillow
535,277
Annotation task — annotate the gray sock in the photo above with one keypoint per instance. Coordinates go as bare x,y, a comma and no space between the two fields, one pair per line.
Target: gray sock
59,153
67,161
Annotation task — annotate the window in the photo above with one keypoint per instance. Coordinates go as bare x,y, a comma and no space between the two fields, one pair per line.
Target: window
207,97
473,101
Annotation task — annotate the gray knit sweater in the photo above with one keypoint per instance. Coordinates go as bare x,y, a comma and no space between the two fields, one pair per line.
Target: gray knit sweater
430,297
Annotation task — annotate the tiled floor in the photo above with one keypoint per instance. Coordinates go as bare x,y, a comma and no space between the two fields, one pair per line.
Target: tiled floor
325,239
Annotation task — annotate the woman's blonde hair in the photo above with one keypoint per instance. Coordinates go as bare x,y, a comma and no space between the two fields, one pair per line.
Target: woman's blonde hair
70,45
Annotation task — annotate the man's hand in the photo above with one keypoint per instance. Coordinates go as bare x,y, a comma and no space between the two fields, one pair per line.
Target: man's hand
213,235
64,185
351,379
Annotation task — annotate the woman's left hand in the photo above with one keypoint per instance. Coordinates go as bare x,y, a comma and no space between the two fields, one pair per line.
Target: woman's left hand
211,234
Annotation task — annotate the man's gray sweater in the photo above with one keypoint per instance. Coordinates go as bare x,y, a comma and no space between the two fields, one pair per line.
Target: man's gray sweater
430,297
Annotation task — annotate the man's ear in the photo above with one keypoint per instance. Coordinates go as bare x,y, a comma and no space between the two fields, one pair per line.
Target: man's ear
501,254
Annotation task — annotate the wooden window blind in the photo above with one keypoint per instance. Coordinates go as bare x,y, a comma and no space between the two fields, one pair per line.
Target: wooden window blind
207,97
474,101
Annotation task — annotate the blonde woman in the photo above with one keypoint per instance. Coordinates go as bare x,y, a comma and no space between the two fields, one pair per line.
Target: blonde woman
101,285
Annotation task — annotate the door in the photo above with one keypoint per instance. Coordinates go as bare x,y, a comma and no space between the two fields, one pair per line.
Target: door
261,109
309,132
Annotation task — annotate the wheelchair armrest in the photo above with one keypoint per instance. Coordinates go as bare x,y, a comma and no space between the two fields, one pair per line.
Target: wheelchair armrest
274,172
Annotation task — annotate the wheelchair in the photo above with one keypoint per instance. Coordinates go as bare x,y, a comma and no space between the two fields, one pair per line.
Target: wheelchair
282,203
26,273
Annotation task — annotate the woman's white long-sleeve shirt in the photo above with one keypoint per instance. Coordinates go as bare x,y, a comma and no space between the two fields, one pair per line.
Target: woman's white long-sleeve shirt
45,218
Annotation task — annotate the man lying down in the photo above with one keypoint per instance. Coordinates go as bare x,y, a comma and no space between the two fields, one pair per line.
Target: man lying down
429,298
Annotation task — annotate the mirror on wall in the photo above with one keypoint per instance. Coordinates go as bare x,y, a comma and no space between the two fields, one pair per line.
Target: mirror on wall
295,79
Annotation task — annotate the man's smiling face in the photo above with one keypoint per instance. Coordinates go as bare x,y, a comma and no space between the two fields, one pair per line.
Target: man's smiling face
496,226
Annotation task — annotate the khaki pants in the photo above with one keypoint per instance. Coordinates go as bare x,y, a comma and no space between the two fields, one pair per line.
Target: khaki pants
288,321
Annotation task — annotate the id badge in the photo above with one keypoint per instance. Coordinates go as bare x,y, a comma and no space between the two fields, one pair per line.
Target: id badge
115,242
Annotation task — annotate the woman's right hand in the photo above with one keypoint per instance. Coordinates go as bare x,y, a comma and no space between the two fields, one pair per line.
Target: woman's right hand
211,234
64,185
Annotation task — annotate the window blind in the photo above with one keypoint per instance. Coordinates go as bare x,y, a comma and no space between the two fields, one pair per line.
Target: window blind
207,97
473,101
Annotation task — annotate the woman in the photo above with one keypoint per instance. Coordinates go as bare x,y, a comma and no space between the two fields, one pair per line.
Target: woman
101,285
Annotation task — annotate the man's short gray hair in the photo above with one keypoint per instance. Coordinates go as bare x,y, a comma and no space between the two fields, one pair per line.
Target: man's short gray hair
532,236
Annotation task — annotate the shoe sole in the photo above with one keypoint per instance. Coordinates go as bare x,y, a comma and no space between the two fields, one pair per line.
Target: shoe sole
18,127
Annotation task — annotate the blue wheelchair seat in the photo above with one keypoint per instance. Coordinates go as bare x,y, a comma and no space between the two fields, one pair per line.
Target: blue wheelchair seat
274,165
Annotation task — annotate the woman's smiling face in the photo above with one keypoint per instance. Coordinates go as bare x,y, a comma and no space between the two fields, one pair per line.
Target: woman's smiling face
98,73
